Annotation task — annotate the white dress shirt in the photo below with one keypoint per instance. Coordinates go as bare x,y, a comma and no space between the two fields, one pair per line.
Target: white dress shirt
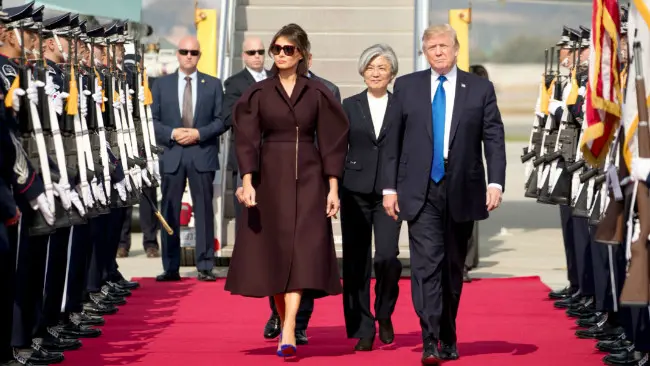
258,76
181,92
450,95
377,108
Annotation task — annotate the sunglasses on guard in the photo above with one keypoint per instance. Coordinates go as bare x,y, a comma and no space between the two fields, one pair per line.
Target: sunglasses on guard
191,52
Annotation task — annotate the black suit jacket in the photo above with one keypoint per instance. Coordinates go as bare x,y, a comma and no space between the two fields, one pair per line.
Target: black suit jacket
166,114
362,161
408,150
330,85
235,86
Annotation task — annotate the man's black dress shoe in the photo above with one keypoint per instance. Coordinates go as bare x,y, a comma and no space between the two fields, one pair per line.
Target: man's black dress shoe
590,321
125,285
168,277
364,344
569,301
97,308
71,330
52,343
206,275
625,357
386,332
602,332
40,356
84,319
430,353
301,338
272,327
448,351
561,294
615,345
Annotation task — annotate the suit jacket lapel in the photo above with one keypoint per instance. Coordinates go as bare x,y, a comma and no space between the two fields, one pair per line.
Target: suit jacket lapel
426,85
459,102
362,101
174,87
249,78
200,90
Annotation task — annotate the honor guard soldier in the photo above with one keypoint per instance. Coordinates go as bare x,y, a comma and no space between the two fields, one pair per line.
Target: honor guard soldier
566,218
18,41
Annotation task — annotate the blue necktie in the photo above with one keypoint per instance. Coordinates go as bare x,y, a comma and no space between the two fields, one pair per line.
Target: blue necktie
438,114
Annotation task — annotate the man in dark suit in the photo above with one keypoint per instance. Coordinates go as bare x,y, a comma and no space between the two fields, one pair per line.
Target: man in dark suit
434,179
186,113
253,56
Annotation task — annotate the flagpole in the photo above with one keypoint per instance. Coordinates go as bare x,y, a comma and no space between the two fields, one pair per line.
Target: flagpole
421,23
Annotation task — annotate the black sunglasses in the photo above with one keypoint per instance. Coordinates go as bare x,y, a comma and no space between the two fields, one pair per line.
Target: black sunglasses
288,49
191,52
253,52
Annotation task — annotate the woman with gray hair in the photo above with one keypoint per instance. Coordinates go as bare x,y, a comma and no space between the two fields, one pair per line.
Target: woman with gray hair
362,210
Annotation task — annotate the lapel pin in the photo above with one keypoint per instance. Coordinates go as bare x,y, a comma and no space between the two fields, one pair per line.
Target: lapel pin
462,85
203,81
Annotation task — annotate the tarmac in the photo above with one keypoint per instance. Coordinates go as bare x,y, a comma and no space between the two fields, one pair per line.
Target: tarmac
520,238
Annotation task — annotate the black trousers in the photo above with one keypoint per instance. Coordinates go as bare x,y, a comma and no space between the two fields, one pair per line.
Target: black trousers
173,186
105,233
438,247
584,260
81,249
471,259
56,270
28,283
360,214
606,261
7,270
566,220
148,223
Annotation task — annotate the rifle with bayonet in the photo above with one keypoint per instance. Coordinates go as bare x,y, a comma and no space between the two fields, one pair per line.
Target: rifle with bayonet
533,150
553,125
33,140
533,153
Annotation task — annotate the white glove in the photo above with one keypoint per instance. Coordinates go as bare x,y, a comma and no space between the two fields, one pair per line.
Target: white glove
76,202
122,97
32,91
83,103
129,102
117,104
97,97
61,191
40,204
554,105
145,177
18,93
87,196
49,85
97,192
57,101
141,95
121,189
582,91
640,169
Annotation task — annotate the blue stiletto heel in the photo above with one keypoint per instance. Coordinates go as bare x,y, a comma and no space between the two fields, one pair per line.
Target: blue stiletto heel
288,350
279,352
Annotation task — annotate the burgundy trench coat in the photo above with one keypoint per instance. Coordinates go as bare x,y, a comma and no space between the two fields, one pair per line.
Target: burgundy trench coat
285,243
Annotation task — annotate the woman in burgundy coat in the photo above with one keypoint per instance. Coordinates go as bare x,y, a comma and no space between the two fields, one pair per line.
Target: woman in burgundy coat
291,138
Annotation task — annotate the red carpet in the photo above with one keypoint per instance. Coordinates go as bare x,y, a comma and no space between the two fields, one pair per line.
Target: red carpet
501,322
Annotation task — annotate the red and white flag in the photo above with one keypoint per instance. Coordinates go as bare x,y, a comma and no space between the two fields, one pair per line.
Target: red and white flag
604,96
